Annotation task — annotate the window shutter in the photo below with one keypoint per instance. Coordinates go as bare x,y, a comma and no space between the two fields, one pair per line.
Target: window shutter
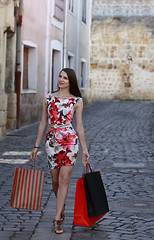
59,10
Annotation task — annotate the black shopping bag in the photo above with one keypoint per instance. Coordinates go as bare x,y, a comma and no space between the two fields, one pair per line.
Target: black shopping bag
97,203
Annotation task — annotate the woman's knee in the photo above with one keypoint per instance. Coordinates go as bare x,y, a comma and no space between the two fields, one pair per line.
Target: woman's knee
55,177
64,175
54,181
64,180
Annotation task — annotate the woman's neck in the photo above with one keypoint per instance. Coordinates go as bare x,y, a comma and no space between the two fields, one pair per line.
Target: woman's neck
63,93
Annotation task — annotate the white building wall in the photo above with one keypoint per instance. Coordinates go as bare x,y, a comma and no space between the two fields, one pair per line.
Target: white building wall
40,32
77,40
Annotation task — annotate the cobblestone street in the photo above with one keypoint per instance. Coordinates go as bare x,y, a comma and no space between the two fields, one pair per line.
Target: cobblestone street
119,137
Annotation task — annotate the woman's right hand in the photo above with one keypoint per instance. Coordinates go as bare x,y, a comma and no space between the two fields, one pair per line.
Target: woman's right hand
34,153
85,158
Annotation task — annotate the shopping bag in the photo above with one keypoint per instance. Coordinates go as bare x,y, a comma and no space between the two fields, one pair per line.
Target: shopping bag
96,199
80,207
27,188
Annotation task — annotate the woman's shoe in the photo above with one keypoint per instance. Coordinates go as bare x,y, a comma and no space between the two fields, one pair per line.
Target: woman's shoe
58,227
63,215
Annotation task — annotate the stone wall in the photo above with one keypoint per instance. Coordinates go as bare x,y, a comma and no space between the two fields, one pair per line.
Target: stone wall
122,50
3,113
122,8
11,110
31,108
7,66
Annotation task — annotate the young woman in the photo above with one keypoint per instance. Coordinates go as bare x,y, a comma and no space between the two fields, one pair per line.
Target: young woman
61,139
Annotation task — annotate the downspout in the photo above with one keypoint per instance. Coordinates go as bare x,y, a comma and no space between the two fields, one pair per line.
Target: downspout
65,34
47,46
77,41
90,23
18,17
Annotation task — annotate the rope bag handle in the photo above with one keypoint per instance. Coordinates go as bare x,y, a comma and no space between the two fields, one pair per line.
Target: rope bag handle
87,169
30,162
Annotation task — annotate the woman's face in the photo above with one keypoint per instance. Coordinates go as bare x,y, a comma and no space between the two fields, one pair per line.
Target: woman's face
63,80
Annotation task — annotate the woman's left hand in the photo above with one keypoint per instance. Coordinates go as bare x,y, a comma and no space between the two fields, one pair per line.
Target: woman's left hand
34,153
85,158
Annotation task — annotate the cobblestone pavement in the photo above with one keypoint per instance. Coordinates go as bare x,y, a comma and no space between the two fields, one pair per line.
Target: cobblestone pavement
119,138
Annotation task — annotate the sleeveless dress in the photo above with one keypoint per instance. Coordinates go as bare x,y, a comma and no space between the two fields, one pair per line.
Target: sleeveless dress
62,143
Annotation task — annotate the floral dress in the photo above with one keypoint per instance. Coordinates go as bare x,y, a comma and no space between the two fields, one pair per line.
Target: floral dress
61,143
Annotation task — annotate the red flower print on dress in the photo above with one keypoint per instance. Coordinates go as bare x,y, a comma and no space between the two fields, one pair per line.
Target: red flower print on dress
66,140
61,143
69,117
54,114
60,120
47,137
62,159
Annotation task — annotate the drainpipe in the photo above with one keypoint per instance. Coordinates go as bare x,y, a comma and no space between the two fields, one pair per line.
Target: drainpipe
90,22
18,17
78,40
65,34
47,46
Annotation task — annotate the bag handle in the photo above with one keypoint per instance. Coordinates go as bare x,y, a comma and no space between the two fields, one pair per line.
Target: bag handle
87,169
30,162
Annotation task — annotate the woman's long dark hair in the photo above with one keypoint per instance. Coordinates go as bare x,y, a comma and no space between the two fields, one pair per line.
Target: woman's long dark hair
74,88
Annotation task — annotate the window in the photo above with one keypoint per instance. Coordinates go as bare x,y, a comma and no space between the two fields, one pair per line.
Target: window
71,5
83,74
84,3
29,73
56,64
25,69
70,60
57,13
59,10
56,67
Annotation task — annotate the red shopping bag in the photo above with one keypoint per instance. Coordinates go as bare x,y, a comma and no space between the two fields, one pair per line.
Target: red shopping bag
27,188
80,208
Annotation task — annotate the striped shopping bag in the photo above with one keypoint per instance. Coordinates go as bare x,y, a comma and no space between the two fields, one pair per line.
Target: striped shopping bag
27,188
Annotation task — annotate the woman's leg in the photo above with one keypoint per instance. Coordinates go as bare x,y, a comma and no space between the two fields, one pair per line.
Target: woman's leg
64,176
55,184
55,179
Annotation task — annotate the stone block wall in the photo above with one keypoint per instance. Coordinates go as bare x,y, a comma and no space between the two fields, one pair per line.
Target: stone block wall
122,8
7,67
11,111
3,113
122,49
31,108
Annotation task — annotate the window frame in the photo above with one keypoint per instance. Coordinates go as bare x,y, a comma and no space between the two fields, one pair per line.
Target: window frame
55,21
84,12
72,56
70,5
31,68
55,45
83,60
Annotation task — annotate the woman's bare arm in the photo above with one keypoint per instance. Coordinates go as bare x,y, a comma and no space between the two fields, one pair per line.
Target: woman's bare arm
42,128
80,131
